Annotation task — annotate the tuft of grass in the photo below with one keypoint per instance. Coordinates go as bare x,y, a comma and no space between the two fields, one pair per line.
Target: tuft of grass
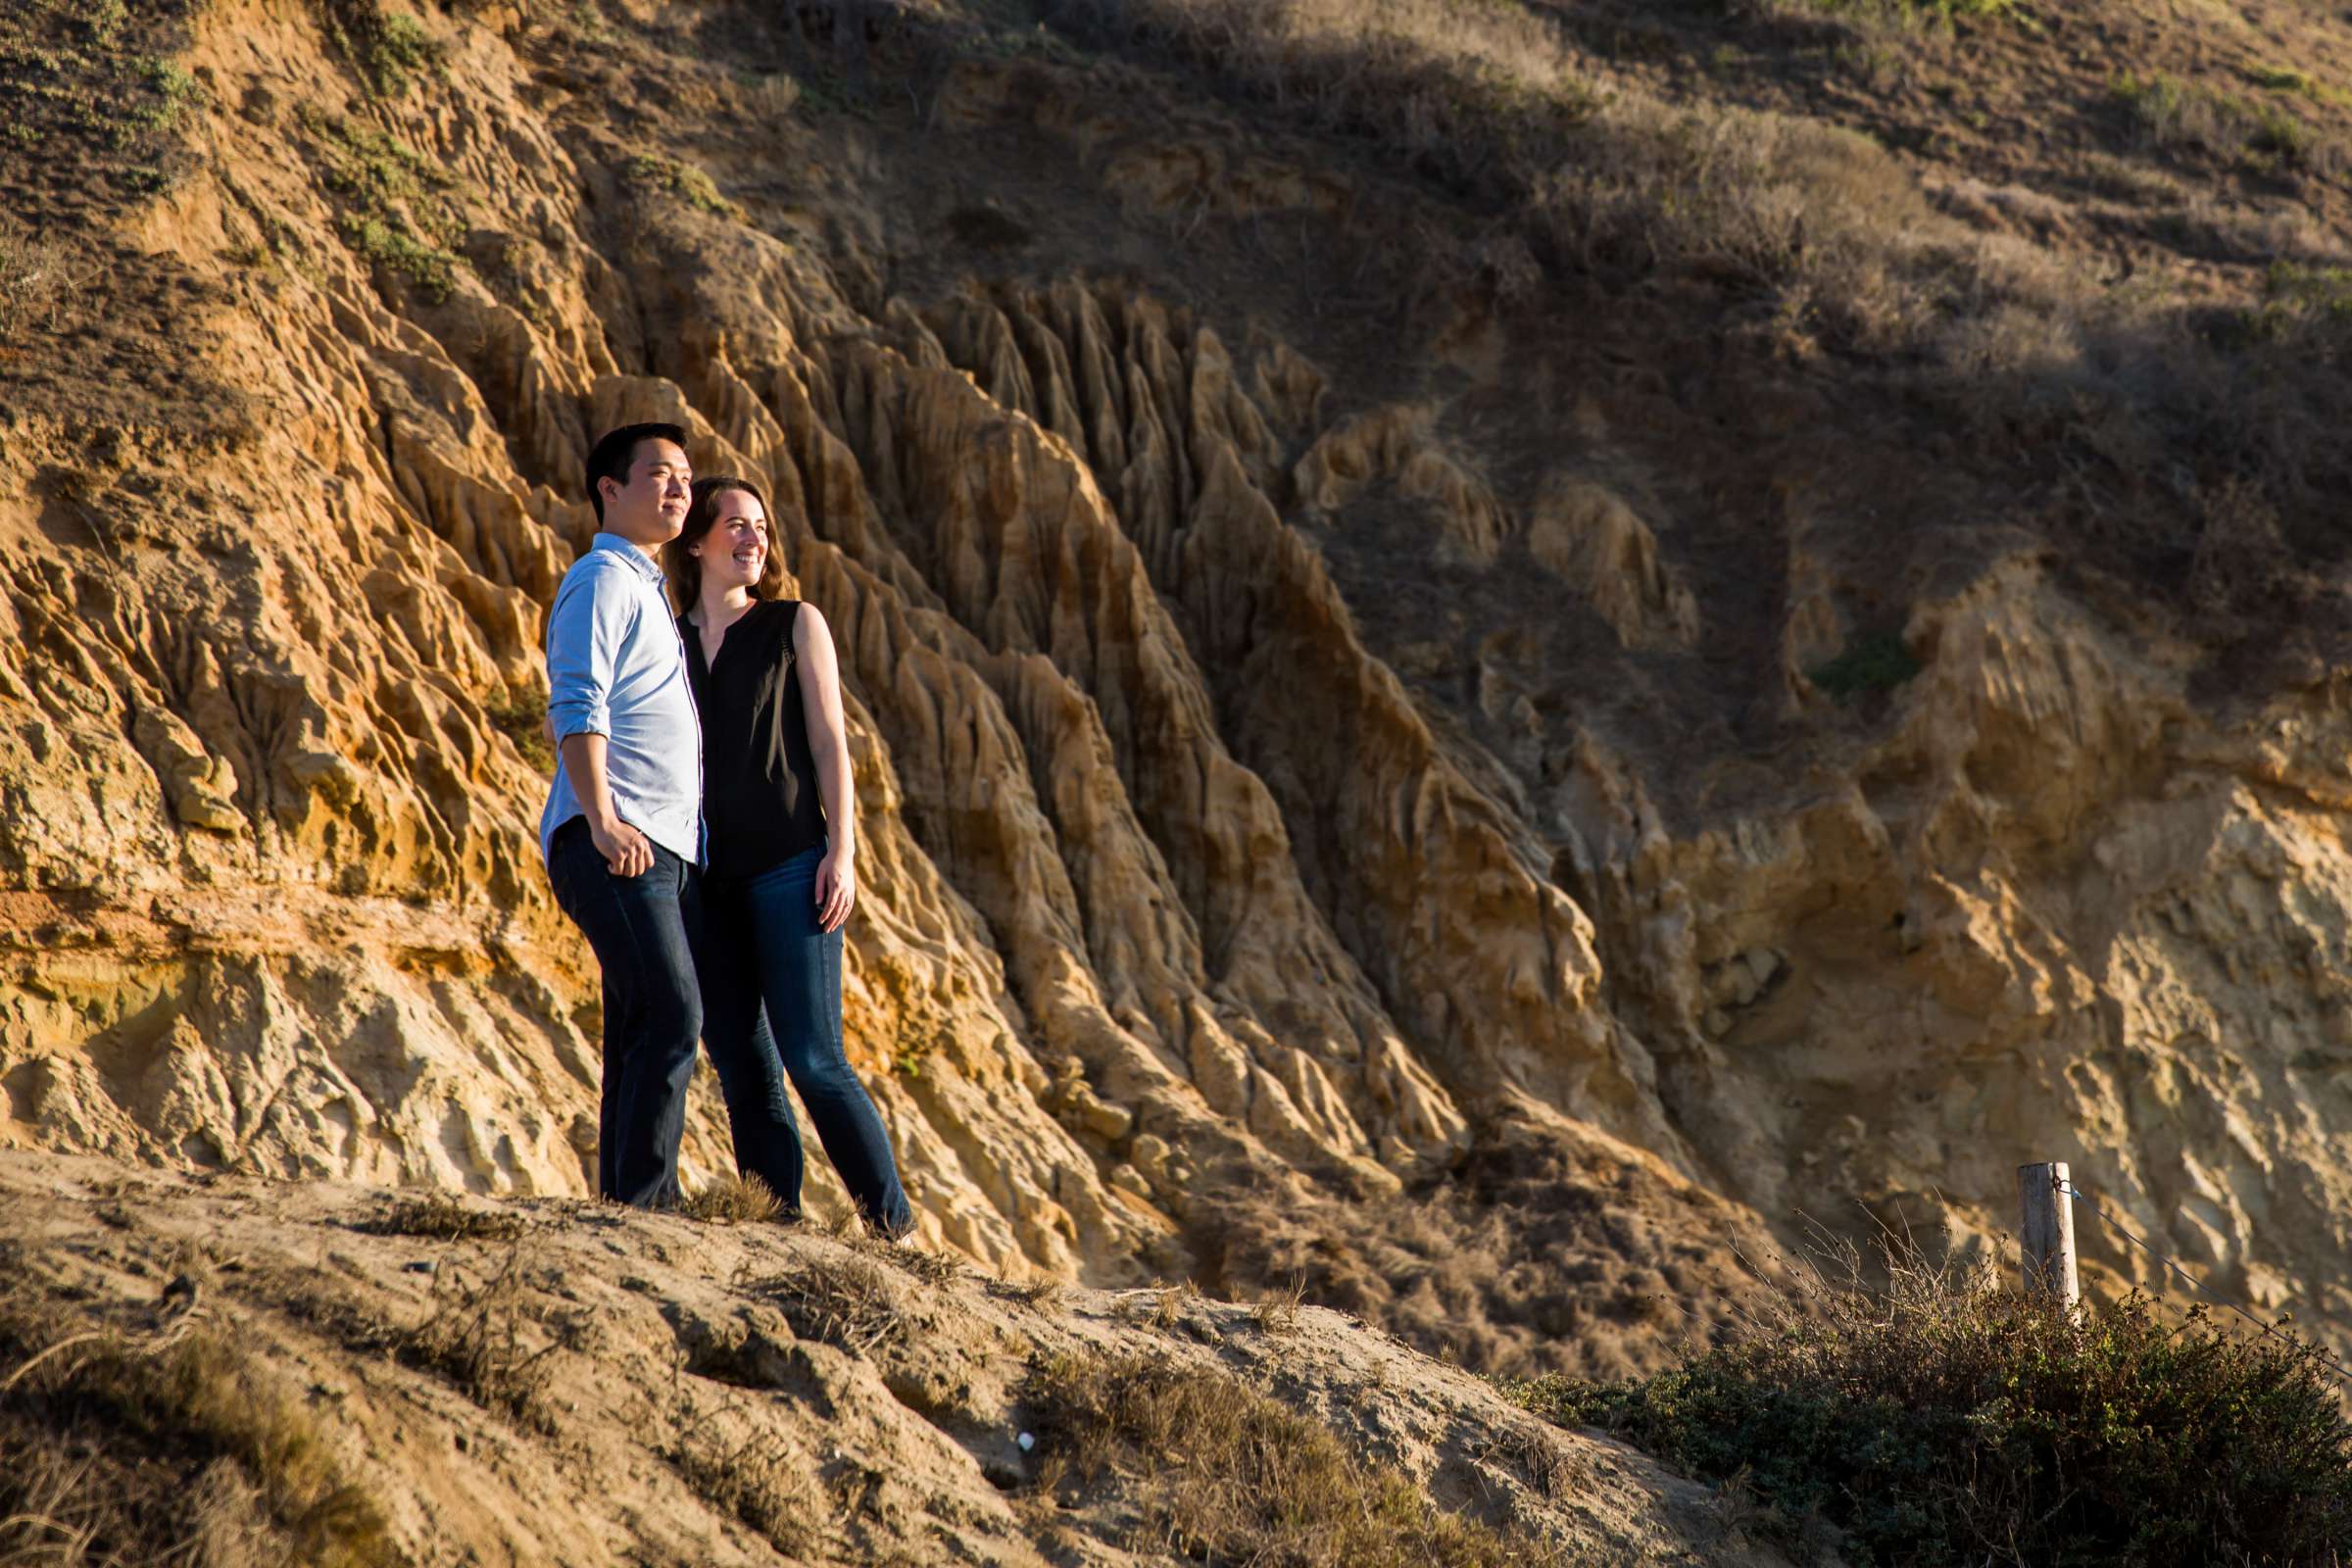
733,1201
685,181
444,1217
1222,1472
1276,1311
1942,1418
126,1449
1875,664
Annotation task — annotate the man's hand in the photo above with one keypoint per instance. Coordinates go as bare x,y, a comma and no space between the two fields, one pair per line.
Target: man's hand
626,851
836,888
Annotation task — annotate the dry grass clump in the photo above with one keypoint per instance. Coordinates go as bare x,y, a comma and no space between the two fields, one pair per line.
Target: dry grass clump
759,1481
847,1300
493,1341
1046,1296
1276,1311
1940,1417
1221,1473
734,1201
443,1216
34,279
165,1447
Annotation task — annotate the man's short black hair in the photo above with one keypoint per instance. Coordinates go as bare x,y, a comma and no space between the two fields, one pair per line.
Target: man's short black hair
615,450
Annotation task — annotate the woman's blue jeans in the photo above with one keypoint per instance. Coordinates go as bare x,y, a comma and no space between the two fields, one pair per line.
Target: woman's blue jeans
771,1011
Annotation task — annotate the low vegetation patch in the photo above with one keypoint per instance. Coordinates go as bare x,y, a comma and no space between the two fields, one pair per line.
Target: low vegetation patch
388,48
1878,664
401,212
493,1340
444,1217
1944,1419
846,1299
519,714
161,1446
2168,113
685,181
1223,1473
34,278
759,1481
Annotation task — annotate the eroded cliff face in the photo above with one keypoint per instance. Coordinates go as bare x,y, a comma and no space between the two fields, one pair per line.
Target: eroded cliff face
1345,795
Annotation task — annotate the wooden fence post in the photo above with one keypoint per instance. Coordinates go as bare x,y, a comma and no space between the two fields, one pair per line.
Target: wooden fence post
2046,1232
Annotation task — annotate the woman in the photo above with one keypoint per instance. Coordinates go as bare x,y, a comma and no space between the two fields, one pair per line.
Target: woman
781,870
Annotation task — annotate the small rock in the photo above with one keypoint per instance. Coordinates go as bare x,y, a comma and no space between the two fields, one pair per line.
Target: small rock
1108,1123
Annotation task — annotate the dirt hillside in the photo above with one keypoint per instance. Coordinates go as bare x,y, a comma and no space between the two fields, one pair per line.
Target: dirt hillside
1489,657
554,1382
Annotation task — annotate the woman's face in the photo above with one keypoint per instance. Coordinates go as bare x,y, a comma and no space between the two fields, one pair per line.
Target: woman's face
734,553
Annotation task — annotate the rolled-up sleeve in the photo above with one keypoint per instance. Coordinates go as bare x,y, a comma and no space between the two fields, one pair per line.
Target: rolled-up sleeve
584,635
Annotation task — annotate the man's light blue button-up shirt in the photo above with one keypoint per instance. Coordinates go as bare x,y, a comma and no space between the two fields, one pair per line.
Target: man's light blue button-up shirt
617,668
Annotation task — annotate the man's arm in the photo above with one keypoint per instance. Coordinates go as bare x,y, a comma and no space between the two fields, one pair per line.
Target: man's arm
584,634
626,850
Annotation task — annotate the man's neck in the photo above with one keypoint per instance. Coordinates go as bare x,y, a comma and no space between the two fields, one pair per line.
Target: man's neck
643,547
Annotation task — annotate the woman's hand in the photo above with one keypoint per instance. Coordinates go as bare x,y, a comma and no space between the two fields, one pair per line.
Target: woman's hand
836,888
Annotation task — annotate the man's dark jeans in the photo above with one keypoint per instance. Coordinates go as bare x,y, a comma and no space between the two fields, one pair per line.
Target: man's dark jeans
763,962
652,1009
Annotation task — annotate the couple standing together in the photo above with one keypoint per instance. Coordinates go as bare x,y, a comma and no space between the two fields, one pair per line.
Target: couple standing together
701,830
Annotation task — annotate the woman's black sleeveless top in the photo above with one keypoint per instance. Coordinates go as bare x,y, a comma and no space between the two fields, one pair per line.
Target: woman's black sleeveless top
760,796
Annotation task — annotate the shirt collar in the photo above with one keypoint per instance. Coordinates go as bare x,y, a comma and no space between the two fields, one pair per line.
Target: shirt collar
647,566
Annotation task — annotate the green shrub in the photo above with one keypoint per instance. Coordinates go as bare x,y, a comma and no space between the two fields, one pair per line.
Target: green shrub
1940,1419
685,181
388,48
1868,665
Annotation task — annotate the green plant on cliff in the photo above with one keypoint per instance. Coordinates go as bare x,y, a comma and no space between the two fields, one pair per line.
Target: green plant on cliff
685,181
401,212
388,48
1941,1419
1867,664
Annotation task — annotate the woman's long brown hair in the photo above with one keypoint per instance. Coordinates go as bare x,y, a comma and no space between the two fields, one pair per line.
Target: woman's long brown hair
685,573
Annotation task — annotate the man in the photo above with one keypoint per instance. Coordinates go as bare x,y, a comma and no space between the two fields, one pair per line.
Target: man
623,825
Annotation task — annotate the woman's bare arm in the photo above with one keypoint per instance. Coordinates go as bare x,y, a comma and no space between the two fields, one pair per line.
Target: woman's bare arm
819,674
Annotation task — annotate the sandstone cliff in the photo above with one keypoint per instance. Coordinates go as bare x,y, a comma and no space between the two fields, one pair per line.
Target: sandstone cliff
1460,797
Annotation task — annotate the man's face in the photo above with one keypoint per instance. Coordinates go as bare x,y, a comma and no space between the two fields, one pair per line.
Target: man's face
651,508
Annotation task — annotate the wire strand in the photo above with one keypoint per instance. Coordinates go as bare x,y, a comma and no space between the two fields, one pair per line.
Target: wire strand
2301,1346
